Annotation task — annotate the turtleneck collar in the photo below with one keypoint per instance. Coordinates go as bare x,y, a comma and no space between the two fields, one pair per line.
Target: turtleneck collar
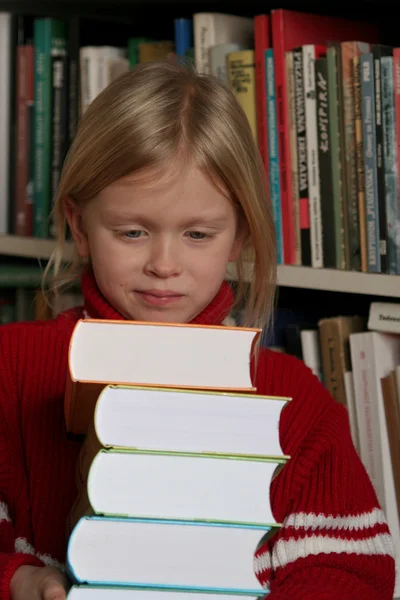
97,307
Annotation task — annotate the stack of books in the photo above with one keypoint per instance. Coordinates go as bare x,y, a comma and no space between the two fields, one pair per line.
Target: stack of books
174,475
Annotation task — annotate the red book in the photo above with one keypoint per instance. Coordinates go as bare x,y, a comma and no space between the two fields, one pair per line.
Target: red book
24,115
289,30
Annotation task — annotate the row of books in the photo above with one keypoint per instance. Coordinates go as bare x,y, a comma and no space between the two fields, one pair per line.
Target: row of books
357,358
318,92
328,101
174,473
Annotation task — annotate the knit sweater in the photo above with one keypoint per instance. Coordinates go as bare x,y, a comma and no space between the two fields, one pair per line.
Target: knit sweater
334,542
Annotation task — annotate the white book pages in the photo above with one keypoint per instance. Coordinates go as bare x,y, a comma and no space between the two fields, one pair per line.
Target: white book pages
161,354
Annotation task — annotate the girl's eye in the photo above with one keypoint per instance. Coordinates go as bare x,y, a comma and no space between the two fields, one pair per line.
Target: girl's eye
134,234
197,235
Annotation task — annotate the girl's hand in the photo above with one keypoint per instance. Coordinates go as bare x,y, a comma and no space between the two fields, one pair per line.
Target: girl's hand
38,583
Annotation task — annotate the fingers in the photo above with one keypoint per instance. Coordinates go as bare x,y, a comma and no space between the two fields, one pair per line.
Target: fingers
54,585
52,590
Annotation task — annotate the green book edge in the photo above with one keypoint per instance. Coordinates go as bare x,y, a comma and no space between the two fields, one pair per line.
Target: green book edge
281,459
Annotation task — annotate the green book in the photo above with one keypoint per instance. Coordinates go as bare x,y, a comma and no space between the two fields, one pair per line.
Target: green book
49,41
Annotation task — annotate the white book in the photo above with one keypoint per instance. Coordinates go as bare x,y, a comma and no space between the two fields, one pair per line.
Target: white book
104,352
217,58
193,487
310,104
384,316
212,28
106,55
310,347
92,592
185,555
190,356
173,420
351,408
373,356
90,65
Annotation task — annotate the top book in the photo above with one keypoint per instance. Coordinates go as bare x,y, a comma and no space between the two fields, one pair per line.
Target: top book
187,356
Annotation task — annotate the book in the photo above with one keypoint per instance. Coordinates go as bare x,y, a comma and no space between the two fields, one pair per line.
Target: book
292,29
196,487
161,554
103,352
212,28
165,423
176,420
173,482
95,592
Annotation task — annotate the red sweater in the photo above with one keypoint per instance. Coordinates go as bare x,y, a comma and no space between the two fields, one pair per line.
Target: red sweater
334,542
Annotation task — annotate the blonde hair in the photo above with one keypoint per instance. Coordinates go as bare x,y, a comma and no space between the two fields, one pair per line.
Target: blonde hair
144,119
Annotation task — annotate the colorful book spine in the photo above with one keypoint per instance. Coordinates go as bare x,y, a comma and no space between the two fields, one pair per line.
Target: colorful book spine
310,53
333,64
359,147
370,161
183,36
49,41
273,152
302,161
390,159
325,163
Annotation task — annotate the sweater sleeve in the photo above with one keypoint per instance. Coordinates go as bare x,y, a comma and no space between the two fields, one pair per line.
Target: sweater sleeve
11,556
334,541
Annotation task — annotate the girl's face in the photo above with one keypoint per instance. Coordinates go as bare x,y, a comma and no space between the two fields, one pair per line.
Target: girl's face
159,244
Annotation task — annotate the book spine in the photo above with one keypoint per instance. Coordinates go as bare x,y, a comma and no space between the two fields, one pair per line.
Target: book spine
7,112
242,80
380,163
261,43
49,36
336,164
396,75
284,142
325,163
390,160
24,72
204,38
59,122
384,316
273,152
42,130
183,36
370,162
293,154
302,162
359,143
349,50
309,56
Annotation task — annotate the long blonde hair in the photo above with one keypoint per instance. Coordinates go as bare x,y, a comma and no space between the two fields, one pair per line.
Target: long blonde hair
146,118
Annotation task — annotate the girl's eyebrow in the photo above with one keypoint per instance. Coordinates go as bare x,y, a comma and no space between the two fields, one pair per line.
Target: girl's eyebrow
131,217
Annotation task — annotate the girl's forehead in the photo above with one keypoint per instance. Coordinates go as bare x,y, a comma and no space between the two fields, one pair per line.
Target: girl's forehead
190,193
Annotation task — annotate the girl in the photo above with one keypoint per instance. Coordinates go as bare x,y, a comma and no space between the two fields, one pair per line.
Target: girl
162,189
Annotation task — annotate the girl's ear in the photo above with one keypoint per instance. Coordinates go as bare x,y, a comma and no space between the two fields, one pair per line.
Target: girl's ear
73,214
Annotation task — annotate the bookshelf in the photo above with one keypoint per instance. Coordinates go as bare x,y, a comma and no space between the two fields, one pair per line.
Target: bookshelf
330,280
333,280
140,14
27,247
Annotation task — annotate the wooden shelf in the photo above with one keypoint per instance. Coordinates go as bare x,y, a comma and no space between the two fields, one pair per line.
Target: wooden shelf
334,280
27,247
